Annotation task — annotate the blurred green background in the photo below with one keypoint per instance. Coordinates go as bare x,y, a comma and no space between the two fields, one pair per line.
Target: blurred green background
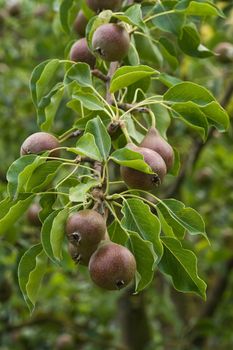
71,312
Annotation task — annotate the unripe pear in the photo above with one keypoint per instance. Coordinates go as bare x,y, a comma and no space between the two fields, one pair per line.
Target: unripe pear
139,180
40,142
154,141
99,5
111,42
80,52
80,23
86,228
112,266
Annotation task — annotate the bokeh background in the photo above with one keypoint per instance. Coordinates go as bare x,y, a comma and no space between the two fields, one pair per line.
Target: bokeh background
71,312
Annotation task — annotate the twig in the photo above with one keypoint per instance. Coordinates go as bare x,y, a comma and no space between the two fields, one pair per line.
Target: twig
97,73
113,67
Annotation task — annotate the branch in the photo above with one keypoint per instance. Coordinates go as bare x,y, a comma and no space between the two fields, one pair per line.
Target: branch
113,67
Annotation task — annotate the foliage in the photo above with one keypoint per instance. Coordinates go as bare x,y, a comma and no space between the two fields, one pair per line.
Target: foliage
68,97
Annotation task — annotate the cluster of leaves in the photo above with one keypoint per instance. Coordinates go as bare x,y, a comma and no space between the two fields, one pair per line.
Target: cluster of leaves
65,184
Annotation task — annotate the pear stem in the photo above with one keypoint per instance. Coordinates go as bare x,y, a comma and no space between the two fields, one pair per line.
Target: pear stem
153,119
125,132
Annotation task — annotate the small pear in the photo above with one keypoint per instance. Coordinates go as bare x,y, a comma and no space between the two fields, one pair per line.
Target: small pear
111,42
86,228
40,142
80,23
112,266
80,52
153,140
139,180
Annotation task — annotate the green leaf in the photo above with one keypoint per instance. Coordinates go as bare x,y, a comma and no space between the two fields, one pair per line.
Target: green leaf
168,51
46,233
201,9
131,159
190,42
188,218
86,146
102,138
44,80
191,114
128,75
48,106
27,172
80,73
216,115
187,97
186,92
171,22
145,258
168,80
15,169
34,78
133,16
64,11
89,101
58,232
181,265
42,176
78,193
12,210
117,233
31,270
139,218
46,203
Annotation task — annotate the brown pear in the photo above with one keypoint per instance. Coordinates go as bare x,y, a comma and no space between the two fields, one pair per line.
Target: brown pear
40,142
86,228
112,266
153,140
99,5
111,42
80,24
139,180
80,52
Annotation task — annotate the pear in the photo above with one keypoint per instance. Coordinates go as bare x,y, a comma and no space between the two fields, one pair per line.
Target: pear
80,52
112,266
153,140
111,42
139,180
80,24
40,142
85,228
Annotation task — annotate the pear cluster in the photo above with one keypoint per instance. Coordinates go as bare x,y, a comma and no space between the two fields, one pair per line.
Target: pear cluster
110,41
111,266
158,154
